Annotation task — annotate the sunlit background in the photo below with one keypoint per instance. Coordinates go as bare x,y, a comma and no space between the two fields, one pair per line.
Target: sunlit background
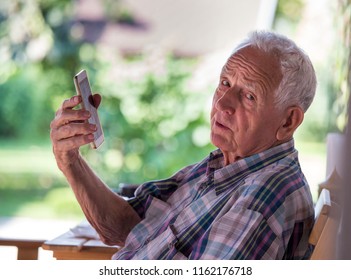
156,64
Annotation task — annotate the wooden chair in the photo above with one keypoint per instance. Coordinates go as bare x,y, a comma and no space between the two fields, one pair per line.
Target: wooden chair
324,232
333,183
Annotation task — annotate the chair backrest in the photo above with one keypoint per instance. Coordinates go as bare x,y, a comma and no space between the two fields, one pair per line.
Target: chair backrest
324,232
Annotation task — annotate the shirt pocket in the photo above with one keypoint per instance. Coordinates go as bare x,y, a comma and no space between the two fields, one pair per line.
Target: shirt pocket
164,246
157,208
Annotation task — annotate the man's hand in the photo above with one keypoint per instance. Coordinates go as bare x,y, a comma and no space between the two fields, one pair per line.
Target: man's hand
110,215
70,130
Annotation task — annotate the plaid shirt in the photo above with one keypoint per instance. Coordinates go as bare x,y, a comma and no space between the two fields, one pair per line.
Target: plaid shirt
259,207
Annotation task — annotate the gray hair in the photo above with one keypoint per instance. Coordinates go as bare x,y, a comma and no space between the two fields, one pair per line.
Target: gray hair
298,85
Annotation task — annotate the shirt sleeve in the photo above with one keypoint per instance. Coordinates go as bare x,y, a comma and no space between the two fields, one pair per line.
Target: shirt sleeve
161,189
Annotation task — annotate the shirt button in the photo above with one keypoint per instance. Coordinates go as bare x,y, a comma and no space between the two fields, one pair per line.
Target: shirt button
172,244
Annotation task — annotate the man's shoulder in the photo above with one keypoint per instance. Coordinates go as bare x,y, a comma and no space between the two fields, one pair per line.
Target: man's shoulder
272,186
283,167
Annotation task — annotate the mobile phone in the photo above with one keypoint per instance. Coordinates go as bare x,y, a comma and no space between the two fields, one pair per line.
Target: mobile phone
83,89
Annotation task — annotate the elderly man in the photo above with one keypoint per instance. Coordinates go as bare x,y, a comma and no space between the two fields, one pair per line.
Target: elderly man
247,200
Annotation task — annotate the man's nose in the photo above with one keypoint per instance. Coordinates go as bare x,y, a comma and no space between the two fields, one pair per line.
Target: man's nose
226,102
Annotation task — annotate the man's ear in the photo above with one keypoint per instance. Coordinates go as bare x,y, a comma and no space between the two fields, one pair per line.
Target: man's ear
293,117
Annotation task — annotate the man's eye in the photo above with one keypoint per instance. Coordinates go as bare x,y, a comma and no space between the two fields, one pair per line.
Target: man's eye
225,83
249,96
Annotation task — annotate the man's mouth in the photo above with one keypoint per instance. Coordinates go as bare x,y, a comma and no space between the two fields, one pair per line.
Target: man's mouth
220,125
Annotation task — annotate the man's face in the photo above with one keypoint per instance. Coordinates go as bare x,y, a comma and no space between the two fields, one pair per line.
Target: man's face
244,120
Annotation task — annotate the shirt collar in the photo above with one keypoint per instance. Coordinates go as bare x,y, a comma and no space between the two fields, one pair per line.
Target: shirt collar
225,177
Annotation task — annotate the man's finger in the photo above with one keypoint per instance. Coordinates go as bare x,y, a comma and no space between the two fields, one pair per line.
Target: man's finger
73,143
72,130
71,102
66,116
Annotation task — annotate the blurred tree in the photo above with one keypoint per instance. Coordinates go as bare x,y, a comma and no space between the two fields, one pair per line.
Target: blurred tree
38,57
288,15
342,73
327,113
153,124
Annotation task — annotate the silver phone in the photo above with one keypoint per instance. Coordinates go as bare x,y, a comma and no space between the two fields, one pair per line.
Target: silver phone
83,89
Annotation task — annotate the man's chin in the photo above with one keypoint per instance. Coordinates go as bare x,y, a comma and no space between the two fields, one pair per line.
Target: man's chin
220,142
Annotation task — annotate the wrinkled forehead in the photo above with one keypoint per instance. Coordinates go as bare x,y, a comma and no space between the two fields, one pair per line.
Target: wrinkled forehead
255,64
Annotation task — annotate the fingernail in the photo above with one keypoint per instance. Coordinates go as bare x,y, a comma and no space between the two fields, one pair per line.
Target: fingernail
86,114
91,136
92,127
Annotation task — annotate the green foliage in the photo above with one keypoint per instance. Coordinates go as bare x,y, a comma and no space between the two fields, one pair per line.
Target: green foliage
38,60
56,202
329,109
153,123
290,10
31,185
150,125
288,14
